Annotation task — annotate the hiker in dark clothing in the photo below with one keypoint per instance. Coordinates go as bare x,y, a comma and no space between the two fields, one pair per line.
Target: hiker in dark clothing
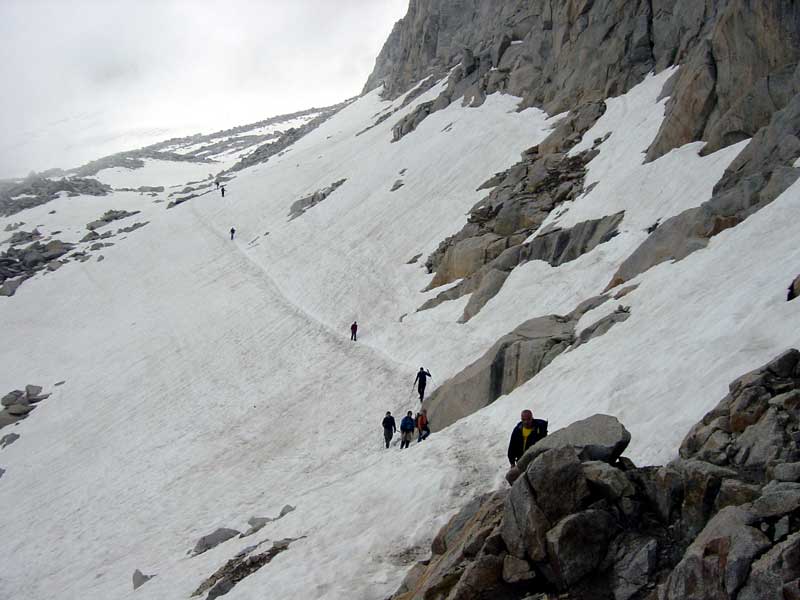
389,427
217,182
527,432
233,232
423,425
422,378
406,430
353,331
222,189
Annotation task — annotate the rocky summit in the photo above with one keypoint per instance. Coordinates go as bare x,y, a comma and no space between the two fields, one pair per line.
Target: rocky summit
586,209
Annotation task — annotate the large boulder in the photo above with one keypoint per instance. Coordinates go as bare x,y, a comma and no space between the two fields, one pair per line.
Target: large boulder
577,545
599,437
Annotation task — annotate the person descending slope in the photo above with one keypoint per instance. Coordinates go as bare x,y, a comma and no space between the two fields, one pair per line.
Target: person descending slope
389,427
422,378
233,232
406,430
353,331
423,425
527,432
222,189
217,182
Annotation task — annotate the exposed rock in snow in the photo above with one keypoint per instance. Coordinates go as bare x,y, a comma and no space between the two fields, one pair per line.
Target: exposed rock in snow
140,578
8,439
109,216
242,565
300,206
605,529
214,539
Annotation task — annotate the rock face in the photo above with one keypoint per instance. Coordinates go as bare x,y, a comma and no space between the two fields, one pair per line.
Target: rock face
552,54
761,172
493,242
721,521
514,359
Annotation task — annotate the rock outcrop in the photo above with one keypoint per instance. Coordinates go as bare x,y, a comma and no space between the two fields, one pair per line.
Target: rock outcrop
244,564
493,242
582,522
36,189
514,359
17,404
300,206
18,264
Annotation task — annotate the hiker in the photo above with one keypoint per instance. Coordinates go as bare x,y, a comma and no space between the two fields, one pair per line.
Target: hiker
389,427
423,425
353,331
233,232
222,189
406,430
527,432
217,182
422,377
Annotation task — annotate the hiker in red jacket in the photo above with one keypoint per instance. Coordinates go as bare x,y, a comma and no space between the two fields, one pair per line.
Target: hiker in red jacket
423,426
353,331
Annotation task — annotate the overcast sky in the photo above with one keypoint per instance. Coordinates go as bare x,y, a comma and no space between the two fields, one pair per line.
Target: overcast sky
83,78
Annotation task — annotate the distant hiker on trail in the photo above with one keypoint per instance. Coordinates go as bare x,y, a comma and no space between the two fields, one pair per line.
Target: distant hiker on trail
422,378
217,182
406,430
527,432
389,427
233,232
423,425
222,189
353,331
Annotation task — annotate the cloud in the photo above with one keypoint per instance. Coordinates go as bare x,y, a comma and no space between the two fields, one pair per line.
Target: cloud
126,65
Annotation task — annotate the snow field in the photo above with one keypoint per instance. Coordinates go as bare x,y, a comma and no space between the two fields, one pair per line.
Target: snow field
211,380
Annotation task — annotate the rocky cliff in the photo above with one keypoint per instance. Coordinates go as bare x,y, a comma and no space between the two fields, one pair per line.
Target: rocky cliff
582,522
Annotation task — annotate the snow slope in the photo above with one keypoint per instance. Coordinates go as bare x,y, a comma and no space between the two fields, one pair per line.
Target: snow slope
210,380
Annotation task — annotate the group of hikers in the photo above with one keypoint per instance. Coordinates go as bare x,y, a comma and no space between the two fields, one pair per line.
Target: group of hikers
524,435
407,426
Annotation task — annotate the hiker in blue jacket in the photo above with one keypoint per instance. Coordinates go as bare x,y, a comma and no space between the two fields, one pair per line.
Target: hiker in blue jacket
407,426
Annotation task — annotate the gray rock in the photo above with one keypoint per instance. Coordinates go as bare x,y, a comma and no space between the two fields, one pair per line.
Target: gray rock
524,524
516,570
19,410
32,390
301,206
717,563
577,545
140,578
213,539
776,504
774,575
12,397
610,480
635,563
511,361
222,587
2,472
10,286
558,482
787,471
8,439
599,437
